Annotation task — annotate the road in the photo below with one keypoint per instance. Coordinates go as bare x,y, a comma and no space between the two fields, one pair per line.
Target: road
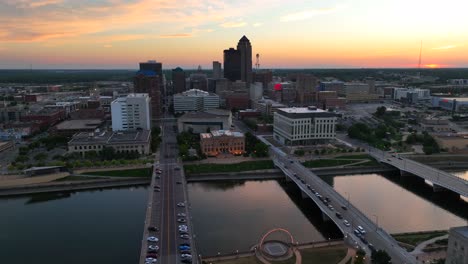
438,177
164,206
307,181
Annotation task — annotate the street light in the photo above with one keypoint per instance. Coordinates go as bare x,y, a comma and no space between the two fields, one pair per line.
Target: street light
376,222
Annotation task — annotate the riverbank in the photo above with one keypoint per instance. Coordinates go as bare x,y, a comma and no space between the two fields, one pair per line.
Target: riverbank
76,185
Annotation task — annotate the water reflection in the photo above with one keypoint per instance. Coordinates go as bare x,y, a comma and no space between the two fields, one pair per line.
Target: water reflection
45,197
404,204
234,218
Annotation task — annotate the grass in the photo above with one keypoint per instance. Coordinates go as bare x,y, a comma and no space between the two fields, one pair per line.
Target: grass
246,260
416,238
326,163
76,178
236,167
323,255
144,172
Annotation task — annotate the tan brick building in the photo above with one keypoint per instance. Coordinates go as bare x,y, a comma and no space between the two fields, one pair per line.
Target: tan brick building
222,142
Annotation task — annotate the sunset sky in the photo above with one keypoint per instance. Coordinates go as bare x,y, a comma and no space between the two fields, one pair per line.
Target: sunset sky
115,34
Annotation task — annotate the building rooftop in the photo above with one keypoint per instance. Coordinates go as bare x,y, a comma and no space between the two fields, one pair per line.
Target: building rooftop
195,92
302,110
459,99
203,115
219,133
79,124
118,137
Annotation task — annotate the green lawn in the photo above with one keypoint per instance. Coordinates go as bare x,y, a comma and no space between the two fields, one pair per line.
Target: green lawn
327,163
236,167
76,178
416,238
323,255
144,172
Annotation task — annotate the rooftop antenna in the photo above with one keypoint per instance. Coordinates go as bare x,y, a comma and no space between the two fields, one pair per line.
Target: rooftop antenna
419,64
257,63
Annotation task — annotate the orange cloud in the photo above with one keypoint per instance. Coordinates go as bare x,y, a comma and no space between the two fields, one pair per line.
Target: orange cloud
182,35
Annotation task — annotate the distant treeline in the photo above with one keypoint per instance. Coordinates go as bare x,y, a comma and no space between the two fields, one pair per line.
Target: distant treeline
75,76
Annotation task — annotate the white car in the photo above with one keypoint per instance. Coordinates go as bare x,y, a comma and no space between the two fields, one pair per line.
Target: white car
181,204
151,260
153,247
346,223
181,215
153,239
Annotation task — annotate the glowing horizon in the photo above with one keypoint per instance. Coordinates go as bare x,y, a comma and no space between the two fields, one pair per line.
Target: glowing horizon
118,34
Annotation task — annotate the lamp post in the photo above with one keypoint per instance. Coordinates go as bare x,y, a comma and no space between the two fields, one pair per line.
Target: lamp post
376,222
348,198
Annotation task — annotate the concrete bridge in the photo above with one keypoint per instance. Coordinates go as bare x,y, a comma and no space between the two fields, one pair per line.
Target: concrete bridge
308,182
441,180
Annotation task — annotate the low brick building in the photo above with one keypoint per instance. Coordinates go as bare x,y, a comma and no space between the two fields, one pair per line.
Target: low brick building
222,142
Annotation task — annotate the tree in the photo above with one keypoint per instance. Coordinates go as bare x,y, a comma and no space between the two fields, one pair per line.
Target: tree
380,111
380,257
299,152
261,150
40,157
317,152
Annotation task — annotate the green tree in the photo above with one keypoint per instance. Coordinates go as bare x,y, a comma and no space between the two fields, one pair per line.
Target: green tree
380,257
40,157
22,158
380,111
261,150
317,152
299,152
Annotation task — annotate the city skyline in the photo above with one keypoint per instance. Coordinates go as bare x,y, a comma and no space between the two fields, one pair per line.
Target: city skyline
117,34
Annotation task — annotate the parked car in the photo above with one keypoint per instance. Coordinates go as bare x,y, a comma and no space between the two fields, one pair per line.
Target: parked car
153,239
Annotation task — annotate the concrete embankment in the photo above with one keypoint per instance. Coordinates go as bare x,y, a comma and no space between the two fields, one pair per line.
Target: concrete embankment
277,174
71,186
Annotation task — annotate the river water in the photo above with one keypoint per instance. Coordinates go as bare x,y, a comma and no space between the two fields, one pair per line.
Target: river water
106,226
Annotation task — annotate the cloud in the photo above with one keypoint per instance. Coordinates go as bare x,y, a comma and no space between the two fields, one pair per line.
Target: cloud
107,46
303,15
181,35
233,24
36,4
258,24
445,47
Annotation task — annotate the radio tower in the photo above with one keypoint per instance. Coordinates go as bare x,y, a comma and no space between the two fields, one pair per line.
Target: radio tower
257,63
419,64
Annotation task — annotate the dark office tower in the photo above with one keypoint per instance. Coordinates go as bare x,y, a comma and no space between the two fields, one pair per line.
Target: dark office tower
217,70
263,76
178,80
306,88
245,50
232,64
149,80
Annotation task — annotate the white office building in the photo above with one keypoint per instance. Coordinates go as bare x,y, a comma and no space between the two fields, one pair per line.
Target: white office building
131,112
303,125
195,100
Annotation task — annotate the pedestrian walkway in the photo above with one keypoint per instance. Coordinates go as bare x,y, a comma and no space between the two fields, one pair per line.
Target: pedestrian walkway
349,255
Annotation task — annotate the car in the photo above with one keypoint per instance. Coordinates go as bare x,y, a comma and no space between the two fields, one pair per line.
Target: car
363,239
183,229
371,247
346,223
317,194
153,247
178,182
389,159
295,174
331,207
158,172
152,239
313,190
327,199
184,244
285,166
344,207
157,186
157,190
181,220
186,255
153,228
151,260
291,161
186,260
339,215
158,177
186,251
184,248
357,232
185,236
183,232
180,204
181,215
393,155
151,255
177,168
361,230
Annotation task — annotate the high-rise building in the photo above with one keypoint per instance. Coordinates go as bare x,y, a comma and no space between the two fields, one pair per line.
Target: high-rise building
245,59
198,80
306,87
264,76
149,80
303,125
131,112
232,64
178,80
217,70
195,100
238,63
